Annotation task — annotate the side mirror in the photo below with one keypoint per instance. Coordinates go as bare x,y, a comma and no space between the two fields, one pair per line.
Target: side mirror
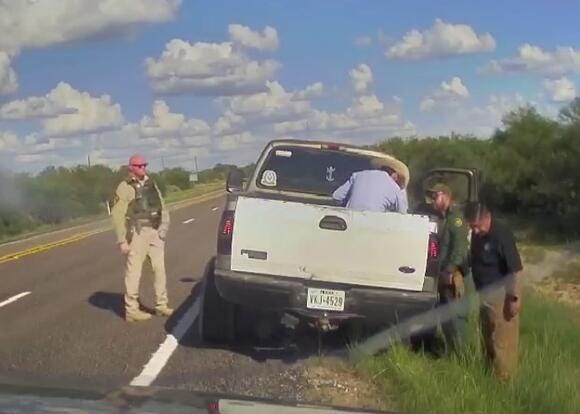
235,182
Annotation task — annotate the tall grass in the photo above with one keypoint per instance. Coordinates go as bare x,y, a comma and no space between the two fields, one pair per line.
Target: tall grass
548,379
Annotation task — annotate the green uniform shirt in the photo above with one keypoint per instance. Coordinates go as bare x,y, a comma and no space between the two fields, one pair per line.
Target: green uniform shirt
453,239
125,194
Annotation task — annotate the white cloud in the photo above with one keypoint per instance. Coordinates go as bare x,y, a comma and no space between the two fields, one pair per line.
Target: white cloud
235,141
215,69
316,90
111,157
366,106
366,115
243,35
560,90
128,136
228,123
36,144
35,147
8,82
92,113
38,158
530,58
35,107
480,120
361,77
9,141
161,132
165,124
42,23
274,105
442,39
67,111
363,41
448,94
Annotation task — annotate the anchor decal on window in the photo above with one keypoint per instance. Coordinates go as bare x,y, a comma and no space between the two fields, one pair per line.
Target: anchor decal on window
330,173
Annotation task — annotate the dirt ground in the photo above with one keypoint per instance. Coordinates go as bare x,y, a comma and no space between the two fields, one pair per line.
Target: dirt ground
556,274
333,381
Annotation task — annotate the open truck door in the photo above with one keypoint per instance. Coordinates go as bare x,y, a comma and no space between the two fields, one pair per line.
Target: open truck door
464,184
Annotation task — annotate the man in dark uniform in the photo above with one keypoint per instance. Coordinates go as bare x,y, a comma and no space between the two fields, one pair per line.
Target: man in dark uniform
453,248
497,272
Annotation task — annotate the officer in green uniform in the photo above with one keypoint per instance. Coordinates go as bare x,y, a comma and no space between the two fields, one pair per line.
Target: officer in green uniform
453,249
141,221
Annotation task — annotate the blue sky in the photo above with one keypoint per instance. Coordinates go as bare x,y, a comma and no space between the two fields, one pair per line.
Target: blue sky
83,77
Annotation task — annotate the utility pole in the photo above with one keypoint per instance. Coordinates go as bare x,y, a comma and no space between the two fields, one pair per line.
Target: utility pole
162,162
89,160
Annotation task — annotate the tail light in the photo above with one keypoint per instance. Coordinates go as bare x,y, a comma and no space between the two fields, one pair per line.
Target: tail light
432,256
331,146
433,252
226,232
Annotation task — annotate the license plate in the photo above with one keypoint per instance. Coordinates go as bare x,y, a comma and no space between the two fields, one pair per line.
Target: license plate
325,299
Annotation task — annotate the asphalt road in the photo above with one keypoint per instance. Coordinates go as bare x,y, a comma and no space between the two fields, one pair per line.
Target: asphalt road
68,331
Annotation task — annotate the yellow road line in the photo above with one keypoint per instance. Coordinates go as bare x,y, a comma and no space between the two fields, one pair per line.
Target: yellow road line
47,246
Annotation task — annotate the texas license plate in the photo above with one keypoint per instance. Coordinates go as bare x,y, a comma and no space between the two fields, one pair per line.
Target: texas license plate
325,299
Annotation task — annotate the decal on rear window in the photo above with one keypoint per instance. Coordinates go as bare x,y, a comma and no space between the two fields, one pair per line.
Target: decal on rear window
330,173
269,178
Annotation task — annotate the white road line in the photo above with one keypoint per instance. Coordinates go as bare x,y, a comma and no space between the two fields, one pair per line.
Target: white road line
188,221
159,359
14,298
214,209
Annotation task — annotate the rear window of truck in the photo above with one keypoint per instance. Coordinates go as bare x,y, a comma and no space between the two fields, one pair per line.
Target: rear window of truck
309,170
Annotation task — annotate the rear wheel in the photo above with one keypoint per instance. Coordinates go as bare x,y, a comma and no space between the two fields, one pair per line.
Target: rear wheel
216,319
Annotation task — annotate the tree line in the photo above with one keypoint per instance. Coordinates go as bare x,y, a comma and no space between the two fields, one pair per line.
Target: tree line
528,165
59,194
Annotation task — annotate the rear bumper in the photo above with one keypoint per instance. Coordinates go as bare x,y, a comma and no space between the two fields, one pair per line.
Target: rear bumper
289,295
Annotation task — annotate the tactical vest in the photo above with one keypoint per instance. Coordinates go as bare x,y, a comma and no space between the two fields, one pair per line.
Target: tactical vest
146,207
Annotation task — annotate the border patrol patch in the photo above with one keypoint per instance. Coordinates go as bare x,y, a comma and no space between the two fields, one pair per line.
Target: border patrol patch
458,222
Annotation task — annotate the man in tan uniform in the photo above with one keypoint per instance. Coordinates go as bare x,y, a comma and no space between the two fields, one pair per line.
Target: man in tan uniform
141,221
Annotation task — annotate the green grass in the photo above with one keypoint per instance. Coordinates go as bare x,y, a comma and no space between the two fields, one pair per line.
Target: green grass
548,379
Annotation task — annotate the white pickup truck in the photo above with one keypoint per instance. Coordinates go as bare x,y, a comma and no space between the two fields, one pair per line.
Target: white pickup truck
286,247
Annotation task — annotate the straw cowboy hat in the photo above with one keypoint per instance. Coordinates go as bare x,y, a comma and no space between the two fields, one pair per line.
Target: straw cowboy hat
392,163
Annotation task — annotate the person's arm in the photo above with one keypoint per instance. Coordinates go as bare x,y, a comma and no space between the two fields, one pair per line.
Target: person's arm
165,220
513,288
458,244
513,263
341,193
124,195
402,203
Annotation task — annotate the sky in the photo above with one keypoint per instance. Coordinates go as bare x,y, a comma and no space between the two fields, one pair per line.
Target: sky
181,81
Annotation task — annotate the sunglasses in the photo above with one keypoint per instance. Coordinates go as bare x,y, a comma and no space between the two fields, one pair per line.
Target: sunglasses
139,165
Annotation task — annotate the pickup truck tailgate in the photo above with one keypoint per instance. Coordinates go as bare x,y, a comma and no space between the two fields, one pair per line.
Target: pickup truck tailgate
307,241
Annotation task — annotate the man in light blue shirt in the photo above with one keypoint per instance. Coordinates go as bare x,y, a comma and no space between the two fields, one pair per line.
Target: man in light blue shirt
373,190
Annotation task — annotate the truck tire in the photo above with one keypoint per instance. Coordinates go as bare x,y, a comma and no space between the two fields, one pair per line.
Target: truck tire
216,321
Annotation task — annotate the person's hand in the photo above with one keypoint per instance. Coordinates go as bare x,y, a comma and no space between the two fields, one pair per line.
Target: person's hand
162,235
124,246
511,307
